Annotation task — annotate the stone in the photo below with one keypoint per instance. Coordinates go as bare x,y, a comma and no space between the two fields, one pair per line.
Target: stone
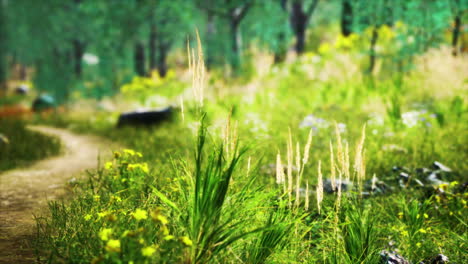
43,102
440,259
145,118
4,140
439,166
345,185
433,179
22,89
392,258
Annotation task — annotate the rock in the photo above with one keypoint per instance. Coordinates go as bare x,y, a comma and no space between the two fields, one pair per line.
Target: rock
391,258
433,179
145,118
439,166
22,89
43,102
423,171
4,140
376,186
440,259
345,185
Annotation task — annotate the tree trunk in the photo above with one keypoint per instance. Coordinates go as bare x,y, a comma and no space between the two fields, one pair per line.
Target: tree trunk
346,18
456,35
3,48
139,59
210,36
372,56
152,48
78,52
282,49
299,26
163,51
236,45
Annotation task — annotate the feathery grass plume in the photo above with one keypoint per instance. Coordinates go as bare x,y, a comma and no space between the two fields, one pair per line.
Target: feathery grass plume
299,172
306,206
197,68
332,168
182,109
307,148
339,149
290,164
319,186
279,169
346,162
359,166
338,196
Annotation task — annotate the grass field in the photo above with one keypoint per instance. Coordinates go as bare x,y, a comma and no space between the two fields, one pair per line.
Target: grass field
239,179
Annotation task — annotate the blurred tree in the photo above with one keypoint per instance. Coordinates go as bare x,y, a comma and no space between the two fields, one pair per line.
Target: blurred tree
233,12
346,17
300,13
3,46
458,8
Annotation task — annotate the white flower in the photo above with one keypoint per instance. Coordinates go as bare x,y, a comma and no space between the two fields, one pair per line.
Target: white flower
90,59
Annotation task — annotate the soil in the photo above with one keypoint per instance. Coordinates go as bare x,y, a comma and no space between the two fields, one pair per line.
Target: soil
24,193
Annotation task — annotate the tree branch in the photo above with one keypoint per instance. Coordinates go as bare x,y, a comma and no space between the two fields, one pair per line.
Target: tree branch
311,9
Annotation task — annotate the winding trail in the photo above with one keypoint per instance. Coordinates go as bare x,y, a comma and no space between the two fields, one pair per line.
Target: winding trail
25,192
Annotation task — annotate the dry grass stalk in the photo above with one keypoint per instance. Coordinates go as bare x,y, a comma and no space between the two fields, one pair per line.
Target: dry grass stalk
319,187
307,148
306,206
197,68
346,162
279,169
290,165
339,150
182,109
359,161
299,172
332,168
338,196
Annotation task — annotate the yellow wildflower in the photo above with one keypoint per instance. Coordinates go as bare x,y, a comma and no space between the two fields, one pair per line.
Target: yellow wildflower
105,233
186,240
96,198
108,165
400,215
324,48
148,251
88,217
140,214
113,245
422,230
169,237
418,244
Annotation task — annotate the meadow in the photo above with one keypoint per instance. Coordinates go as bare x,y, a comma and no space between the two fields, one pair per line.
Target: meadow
253,174
301,131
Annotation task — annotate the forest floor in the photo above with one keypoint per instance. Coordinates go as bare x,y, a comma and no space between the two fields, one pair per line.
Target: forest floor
25,192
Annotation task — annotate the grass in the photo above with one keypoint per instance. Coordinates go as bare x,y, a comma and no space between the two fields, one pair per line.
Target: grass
18,152
189,193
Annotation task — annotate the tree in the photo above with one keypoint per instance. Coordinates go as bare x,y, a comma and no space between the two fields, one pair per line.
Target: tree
233,12
3,47
300,13
346,17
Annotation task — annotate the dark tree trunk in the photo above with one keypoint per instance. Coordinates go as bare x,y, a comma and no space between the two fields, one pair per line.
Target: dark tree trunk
152,47
163,51
78,52
139,59
280,53
456,35
299,26
210,36
346,18
372,55
236,45
3,48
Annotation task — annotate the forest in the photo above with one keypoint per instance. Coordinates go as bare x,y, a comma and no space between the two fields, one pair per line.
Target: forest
234,131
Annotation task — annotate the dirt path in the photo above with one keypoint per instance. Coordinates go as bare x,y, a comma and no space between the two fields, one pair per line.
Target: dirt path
25,192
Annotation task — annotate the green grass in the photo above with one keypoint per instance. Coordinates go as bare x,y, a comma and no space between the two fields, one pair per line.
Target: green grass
187,200
20,151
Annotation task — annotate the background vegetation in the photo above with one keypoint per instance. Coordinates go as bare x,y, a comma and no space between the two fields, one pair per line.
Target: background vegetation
235,176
